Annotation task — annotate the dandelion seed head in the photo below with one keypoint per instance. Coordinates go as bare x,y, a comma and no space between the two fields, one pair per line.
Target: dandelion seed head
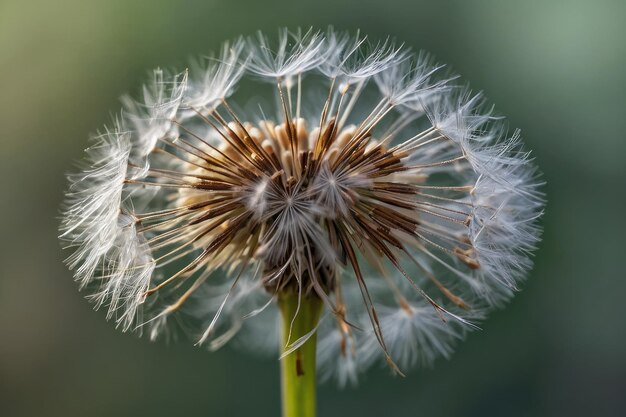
360,173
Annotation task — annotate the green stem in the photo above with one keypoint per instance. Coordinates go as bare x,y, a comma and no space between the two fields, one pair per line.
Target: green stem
298,368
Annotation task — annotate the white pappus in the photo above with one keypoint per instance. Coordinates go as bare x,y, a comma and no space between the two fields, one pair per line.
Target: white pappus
399,199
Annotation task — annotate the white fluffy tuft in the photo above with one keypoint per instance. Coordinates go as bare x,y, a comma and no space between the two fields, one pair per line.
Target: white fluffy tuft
367,178
295,53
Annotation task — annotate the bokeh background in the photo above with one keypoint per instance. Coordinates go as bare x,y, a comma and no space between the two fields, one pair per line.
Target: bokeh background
556,68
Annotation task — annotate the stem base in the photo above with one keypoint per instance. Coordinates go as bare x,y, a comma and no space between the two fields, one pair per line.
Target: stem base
298,381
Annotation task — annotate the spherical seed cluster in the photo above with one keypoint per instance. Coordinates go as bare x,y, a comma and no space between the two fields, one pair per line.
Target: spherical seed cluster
319,164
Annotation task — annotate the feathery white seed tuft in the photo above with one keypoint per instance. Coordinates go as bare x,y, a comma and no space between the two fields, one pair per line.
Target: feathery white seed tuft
373,182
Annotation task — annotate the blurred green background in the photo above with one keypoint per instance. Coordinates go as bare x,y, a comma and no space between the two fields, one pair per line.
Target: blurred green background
556,68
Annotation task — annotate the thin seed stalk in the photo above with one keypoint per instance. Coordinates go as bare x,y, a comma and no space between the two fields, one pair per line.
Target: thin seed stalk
298,381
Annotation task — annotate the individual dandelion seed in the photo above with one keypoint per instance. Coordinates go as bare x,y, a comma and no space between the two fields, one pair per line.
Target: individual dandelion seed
356,178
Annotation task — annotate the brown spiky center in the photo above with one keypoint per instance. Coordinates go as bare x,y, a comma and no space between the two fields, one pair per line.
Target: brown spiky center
291,180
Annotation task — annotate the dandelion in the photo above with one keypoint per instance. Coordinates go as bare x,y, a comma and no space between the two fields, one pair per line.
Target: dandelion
354,192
